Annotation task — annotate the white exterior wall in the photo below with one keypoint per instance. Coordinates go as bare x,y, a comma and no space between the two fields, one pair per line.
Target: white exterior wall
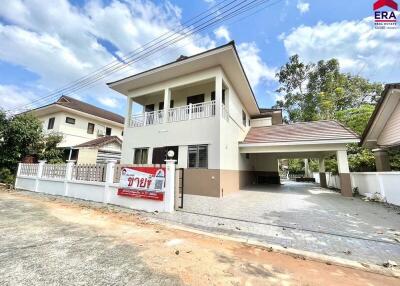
182,133
233,131
384,183
75,134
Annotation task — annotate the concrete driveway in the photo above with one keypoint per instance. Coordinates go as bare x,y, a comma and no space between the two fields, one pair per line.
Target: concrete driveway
302,216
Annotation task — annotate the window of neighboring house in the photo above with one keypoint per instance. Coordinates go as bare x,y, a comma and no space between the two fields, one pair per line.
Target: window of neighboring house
247,155
122,133
160,154
90,128
249,122
244,118
70,120
198,156
108,131
223,96
51,123
140,156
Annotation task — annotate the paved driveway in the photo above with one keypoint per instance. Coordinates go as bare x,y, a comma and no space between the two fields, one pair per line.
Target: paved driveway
302,216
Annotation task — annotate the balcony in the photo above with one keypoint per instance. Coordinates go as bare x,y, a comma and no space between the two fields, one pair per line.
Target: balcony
182,113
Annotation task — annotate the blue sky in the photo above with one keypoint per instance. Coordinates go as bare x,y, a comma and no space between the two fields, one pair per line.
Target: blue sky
45,45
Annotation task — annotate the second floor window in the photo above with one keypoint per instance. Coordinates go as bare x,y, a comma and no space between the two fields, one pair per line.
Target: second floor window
70,120
198,156
90,128
140,156
51,123
108,131
244,117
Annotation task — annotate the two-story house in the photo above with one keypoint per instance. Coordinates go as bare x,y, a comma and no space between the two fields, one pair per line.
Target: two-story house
90,134
203,108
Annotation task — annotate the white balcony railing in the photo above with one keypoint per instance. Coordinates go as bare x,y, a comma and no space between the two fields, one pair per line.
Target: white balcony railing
182,113
147,118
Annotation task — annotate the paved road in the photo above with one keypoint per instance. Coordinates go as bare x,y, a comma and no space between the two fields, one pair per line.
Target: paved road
39,249
301,216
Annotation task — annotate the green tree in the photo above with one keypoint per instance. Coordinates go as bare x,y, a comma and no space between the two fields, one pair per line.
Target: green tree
317,91
22,135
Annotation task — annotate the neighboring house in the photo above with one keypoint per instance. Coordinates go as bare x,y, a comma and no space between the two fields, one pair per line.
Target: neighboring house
99,150
203,108
80,123
383,130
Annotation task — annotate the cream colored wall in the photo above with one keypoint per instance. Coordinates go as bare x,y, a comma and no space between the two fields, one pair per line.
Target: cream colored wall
75,134
390,134
87,156
264,162
113,147
232,132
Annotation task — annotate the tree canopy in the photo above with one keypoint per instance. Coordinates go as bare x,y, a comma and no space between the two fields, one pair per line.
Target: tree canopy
320,91
22,135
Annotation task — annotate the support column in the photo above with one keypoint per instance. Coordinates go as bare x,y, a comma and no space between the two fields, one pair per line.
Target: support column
307,171
218,95
167,101
68,176
39,174
344,173
169,200
381,160
322,174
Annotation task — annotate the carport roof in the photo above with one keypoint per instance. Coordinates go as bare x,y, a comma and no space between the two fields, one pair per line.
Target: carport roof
302,132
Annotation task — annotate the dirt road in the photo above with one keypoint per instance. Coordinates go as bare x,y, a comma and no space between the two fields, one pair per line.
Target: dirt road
46,240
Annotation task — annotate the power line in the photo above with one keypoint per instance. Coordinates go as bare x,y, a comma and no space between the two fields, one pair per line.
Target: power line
222,16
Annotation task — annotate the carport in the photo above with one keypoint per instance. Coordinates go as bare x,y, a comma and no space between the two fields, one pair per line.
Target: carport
316,139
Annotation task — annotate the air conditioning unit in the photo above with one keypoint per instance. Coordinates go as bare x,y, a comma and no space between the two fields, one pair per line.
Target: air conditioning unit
100,132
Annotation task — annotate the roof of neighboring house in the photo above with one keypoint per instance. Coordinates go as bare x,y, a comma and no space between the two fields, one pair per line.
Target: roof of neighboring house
302,131
88,108
377,109
101,141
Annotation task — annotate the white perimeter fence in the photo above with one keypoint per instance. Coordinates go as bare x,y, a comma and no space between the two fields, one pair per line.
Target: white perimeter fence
387,184
98,183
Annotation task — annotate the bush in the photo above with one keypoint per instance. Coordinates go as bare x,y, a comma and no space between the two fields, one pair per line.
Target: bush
6,176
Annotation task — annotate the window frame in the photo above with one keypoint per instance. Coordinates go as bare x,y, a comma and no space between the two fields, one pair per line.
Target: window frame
197,159
70,120
92,130
50,124
108,128
141,156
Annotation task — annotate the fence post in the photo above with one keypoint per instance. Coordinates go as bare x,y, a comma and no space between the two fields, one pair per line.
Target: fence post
39,174
19,170
68,176
109,180
190,111
169,186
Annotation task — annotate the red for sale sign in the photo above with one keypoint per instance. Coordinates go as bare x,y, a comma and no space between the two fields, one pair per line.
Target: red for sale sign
142,182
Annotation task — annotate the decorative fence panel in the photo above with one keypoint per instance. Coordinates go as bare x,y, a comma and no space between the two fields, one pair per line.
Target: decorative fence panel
27,169
89,172
57,171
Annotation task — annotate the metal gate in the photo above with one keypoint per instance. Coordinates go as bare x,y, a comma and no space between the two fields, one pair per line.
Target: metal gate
179,186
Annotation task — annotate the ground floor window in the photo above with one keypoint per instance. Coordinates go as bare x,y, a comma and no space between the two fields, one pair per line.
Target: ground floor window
198,156
160,154
140,156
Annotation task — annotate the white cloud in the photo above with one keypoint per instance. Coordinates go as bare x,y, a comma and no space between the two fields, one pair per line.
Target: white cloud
254,66
108,101
61,43
356,44
11,95
222,33
303,7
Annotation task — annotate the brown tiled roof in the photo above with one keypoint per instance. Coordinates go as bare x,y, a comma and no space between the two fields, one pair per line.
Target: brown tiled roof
302,131
88,108
100,141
